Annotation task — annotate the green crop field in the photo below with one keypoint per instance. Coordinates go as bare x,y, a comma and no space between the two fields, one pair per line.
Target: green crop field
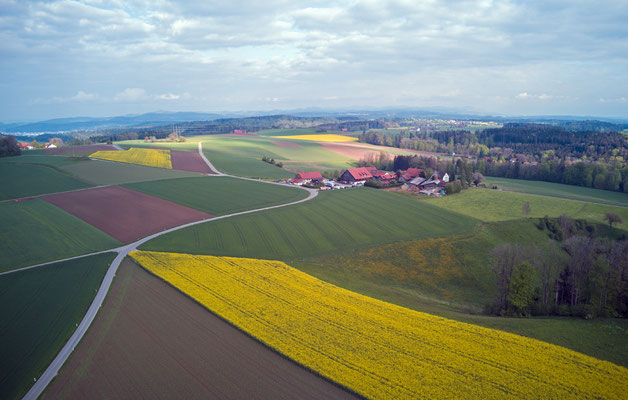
561,191
23,180
332,222
242,156
113,173
243,161
452,270
495,205
220,195
35,231
55,161
40,309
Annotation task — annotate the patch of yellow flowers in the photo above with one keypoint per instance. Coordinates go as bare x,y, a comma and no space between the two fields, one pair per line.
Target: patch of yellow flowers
148,157
321,138
377,349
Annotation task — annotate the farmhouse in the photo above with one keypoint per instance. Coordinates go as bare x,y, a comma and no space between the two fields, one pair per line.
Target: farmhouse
25,146
306,177
355,175
409,174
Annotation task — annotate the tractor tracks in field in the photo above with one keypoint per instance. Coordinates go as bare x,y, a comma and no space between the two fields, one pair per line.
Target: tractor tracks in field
53,369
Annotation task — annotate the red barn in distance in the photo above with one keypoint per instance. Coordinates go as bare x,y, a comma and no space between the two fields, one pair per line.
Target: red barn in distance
315,176
306,177
356,175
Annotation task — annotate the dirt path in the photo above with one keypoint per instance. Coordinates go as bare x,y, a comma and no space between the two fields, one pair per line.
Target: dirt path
53,369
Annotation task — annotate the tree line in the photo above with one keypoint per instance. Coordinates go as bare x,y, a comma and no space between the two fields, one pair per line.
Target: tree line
9,146
574,274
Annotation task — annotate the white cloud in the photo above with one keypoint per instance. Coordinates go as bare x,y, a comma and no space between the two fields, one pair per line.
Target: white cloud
168,96
131,95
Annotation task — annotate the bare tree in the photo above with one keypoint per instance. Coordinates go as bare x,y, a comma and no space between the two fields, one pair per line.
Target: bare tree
505,258
581,250
567,225
613,218
547,262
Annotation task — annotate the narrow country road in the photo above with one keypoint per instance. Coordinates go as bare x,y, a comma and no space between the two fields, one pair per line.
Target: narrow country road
53,369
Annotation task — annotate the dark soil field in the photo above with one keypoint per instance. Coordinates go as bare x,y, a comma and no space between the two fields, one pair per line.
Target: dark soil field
150,341
123,213
70,150
286,144
189,161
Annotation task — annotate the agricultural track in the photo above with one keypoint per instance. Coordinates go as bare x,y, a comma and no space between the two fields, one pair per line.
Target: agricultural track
53,369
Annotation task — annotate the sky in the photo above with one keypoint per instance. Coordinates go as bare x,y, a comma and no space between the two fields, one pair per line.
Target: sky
112,57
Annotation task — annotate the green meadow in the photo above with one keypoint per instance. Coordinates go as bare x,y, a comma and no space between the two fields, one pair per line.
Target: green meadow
494,205
24,180
114,173
333,222
35,231
40,309
569,192
220,195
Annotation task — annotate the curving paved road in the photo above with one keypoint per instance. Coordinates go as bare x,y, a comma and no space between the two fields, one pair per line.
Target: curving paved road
52,370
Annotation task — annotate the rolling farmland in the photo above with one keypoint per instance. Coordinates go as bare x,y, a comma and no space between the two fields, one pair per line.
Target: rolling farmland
147,157
35,231
200,356
320,138
220,195
508,206
378,349
123,213
569,192
24,180
39,309
332,222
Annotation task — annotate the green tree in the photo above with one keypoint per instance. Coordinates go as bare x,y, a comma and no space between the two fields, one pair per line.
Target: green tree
521,288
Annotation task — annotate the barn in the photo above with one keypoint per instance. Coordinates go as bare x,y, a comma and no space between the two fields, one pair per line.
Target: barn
355,175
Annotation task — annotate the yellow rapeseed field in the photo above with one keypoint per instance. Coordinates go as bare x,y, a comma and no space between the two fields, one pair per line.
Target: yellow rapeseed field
148,157
321,138
377,349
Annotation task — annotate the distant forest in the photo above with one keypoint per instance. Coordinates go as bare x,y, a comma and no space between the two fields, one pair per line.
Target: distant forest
528,151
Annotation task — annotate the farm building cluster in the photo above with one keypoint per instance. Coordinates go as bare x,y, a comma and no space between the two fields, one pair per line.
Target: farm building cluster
412,180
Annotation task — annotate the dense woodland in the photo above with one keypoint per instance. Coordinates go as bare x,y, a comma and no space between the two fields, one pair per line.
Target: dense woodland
575,273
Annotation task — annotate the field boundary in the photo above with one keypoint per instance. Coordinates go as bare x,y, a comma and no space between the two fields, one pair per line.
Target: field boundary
53,369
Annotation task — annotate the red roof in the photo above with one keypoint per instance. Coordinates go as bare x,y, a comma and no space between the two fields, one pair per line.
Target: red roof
359,173
22,144
309,175
410,173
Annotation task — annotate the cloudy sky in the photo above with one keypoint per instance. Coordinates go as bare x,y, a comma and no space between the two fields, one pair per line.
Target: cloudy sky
112,57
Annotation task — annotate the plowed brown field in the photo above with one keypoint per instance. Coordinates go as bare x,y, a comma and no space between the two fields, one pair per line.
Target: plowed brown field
69,150
123,213
359,151
150,341
189,161
354,152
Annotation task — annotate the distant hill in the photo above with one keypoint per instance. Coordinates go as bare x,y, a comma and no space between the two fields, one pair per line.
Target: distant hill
89,123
